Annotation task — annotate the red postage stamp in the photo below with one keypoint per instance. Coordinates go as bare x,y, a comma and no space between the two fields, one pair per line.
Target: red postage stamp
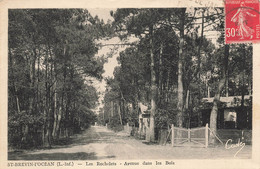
242,21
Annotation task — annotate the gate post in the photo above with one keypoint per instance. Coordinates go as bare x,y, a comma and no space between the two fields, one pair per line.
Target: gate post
127,127
206,135
189,134
172,135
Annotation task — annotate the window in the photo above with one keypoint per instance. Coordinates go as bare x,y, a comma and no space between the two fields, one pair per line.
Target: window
230,119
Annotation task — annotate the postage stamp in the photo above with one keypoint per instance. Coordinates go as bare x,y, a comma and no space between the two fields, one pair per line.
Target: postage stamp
242,21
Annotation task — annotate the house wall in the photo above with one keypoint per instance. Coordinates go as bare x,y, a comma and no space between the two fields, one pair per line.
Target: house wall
243,121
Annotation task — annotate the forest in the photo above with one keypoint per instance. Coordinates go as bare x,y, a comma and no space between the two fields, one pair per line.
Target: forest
51,53
180,58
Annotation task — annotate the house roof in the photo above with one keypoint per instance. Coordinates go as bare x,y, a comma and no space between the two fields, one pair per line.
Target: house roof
228,102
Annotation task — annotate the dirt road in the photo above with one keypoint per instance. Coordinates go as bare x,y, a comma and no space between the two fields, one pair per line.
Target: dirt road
98,143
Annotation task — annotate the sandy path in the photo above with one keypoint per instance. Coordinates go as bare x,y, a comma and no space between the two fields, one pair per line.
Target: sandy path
100,143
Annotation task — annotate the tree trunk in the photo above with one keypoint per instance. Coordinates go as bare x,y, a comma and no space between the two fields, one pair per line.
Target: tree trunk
208,90
200,44
187,108
160,74
56,111
243,112
180,71
32,80
187,100
61,127
32,62
112,109
167,86
15,89
226,69
122,106
48,141
153,90
227,86
57,131
249,85
47,122
119,113
17,100
214,111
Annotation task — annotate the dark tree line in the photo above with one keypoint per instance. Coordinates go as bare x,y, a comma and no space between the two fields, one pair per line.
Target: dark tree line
51,53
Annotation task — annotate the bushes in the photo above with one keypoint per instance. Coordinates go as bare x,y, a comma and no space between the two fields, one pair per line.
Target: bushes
115,124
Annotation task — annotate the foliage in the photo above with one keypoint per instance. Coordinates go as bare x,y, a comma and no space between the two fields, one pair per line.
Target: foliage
202,64
51,53
114,124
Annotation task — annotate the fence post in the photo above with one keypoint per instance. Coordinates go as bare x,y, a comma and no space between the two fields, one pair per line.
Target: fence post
172,135
206,135
127,127
189,135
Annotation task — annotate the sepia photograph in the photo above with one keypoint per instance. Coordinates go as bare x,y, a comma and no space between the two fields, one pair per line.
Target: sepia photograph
137,84
128,84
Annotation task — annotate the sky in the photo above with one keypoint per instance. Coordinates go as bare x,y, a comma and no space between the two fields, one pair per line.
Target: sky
104,14
108,67
113,53
112,62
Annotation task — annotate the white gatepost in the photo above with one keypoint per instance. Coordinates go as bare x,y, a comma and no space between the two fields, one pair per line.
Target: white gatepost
206,135
127,128
172,135
189,135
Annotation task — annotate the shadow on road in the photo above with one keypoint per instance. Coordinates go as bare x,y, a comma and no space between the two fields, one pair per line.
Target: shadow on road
87,137
54,156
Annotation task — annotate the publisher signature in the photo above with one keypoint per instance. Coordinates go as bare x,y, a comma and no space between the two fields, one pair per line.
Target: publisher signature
229,145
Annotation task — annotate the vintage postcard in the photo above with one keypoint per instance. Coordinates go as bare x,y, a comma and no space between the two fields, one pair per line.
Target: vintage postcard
129,84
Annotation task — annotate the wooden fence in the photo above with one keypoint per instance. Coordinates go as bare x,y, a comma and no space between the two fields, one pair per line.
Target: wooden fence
184,137
196,137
